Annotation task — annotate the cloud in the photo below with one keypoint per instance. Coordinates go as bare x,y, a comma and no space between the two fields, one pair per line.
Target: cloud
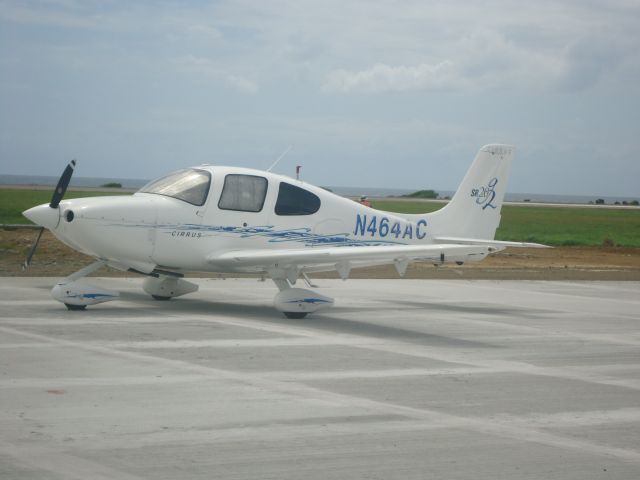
207,32
58,16
242,84
427,45
386,78
558,73
591,58
487,59
210,70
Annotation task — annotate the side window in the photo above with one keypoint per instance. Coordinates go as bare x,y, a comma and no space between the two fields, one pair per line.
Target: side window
244,193
294,200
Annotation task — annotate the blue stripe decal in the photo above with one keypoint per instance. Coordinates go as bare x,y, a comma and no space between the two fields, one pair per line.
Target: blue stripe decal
298,235
309,300
91,295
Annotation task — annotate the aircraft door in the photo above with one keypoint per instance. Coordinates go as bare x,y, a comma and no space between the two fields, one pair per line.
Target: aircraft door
240,212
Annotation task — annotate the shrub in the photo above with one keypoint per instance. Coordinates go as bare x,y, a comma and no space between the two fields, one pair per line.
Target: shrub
571,243
423,194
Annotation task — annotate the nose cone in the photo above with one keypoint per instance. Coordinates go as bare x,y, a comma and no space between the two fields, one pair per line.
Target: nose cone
43,215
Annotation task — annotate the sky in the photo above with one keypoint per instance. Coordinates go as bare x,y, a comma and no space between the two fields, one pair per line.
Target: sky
377,93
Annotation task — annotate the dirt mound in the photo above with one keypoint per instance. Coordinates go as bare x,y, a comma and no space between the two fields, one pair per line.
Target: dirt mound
564,263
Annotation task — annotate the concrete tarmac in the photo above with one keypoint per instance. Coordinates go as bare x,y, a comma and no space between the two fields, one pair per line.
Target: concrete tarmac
403,379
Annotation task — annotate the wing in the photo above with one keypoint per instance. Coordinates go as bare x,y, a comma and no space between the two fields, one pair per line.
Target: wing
290,262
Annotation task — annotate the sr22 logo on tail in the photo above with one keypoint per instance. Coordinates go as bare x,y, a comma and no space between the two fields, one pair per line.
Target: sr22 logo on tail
485,195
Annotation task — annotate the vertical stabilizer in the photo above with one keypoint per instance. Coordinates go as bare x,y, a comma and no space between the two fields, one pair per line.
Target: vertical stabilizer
474,211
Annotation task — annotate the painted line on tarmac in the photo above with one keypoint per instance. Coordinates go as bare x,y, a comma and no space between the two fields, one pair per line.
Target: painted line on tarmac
367,406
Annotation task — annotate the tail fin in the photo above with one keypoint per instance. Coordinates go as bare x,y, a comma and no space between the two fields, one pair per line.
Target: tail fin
474,211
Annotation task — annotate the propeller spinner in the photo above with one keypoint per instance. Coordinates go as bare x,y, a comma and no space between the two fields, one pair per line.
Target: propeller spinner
40,215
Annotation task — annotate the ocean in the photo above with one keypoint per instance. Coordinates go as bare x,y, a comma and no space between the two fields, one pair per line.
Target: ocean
135,183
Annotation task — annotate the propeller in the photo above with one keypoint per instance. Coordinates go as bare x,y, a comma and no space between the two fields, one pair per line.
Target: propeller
27,262
63,183
58,194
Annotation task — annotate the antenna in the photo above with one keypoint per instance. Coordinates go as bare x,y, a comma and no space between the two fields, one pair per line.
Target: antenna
280,158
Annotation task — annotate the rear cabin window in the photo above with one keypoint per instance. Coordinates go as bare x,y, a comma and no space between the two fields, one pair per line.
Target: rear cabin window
294,200
190,185
243,193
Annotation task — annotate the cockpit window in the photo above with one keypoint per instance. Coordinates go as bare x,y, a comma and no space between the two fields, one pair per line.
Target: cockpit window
190,185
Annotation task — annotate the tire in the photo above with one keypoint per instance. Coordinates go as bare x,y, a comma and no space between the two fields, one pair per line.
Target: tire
75,307
160,298
295,315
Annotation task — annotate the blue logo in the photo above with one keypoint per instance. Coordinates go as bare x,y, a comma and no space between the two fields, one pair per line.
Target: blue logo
485,195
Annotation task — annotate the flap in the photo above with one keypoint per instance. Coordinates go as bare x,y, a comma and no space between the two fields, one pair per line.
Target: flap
333,255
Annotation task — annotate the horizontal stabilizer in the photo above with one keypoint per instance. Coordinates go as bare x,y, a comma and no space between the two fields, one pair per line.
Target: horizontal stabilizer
493,243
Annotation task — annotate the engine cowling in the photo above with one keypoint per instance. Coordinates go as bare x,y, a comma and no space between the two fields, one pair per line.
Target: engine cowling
76,293
301,300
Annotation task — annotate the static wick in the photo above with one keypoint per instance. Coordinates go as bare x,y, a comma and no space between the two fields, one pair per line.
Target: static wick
298,167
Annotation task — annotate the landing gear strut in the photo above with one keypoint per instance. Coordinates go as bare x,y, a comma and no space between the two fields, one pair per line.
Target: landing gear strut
77,295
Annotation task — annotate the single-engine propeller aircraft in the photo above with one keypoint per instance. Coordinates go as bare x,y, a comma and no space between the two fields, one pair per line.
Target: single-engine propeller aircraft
229,219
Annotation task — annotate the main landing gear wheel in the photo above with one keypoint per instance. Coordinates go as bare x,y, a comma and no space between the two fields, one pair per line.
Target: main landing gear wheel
75,307
160,298
295,315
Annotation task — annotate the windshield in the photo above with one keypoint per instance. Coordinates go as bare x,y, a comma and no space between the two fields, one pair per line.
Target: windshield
191,186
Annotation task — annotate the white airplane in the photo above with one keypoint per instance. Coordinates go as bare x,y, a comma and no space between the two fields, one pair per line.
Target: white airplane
229,219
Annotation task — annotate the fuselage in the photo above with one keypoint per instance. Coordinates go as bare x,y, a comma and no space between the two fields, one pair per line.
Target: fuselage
177,222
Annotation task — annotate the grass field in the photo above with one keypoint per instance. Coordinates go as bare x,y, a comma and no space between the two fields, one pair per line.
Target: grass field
571,226
557,226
